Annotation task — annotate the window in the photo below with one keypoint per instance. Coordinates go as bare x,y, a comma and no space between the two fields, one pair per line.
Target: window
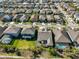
45,42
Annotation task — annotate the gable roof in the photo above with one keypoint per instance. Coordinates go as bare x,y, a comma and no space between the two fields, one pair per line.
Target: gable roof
74,35
28,31
42,35
14,31
61,36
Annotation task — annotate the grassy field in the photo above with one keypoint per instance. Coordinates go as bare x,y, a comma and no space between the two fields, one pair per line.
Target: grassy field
24,44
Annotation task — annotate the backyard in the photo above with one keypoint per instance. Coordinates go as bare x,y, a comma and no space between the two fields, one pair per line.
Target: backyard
24,44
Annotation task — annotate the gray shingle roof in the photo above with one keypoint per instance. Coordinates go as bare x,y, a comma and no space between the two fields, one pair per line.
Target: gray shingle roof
28,31
61,36
12,31
45,36
74,35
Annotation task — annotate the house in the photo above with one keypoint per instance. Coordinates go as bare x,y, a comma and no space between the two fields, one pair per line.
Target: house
9,11
49,18
21,10
65,6
36,10
74,36
2,29
62,40
58,19
17,17
45,38
49,11
34,18
24,18
7,18
12,31
41,6
28,33
71,10
29,11
43,1
76,16
21,18
42,18
42,12
46,6
6,39
37,6
56,11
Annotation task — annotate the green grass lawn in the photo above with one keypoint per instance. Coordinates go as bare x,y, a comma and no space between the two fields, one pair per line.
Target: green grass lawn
24,44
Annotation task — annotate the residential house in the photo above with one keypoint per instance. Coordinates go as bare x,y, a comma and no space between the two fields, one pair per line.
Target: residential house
12,31
65,6
36,10
45,38
17,17
46,6
6,39
74,36
49,11
21,18
58,19
7,18
71,10
56,11
41,6
37,6
28,33
34,18
62,40
42,12
29,11
42,18
24,18
49,18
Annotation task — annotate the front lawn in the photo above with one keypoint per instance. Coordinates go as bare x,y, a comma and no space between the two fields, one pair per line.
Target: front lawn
24,44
